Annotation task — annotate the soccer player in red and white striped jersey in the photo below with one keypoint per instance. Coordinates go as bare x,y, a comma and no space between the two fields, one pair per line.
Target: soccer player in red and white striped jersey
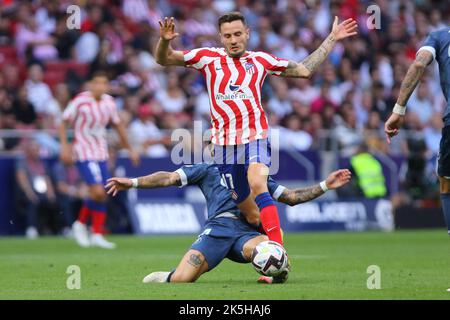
89,113
234,77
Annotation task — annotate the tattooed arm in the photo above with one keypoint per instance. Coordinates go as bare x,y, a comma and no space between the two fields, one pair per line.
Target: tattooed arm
409,83
413,76
307,67
300,195
155,180
335,180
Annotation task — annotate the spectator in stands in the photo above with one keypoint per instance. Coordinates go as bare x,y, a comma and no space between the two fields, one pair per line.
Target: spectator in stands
374,133
36,193
146,136
368,181
433,133
24,111
71,191
57,105
34,43
293,135
39,93
346,132
8,121
173,99
421,104
279,103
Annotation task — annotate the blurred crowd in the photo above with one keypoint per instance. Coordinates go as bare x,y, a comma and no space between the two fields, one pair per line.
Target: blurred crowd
45,59
351,95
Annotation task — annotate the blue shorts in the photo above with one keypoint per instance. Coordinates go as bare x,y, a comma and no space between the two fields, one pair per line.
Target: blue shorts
444,153
93,172
233,162
224,238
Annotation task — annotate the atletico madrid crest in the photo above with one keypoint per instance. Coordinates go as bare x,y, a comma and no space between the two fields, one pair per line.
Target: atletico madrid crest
249,67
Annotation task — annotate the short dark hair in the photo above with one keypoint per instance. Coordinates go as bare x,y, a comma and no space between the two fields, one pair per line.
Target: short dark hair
230,17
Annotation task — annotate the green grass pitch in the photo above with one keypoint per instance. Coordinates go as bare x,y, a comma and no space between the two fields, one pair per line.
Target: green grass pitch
413,265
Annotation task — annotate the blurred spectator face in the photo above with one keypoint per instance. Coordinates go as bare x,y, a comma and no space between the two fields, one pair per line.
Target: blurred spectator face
145,113
32,150
22,95
294,123
8,121
62,93
234,37
172,80
23,12
422,91
436,121
374,121
99,86
35,73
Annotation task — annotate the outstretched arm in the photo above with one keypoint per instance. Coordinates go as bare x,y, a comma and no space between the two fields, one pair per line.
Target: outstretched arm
158,179
408,85
307,67
164,54
335,180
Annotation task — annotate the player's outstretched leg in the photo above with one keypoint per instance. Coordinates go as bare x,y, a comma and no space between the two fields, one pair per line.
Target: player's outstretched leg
158,276
257,178
98,208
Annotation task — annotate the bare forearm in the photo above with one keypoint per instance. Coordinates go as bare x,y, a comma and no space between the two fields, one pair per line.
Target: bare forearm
62,133
311,63
163,51
409,83
300,195
413,76
315,59
159,179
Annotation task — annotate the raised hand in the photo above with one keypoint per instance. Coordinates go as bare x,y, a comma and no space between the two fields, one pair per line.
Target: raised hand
392,126
344,29
115,185
338,178
167,29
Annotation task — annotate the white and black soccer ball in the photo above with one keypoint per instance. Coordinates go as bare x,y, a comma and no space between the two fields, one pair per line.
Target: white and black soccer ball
269,258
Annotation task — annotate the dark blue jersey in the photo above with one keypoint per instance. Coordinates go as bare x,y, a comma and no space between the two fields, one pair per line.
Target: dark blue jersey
218,197
438,43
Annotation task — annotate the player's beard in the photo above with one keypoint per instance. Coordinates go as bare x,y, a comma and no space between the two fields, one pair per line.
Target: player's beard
236,54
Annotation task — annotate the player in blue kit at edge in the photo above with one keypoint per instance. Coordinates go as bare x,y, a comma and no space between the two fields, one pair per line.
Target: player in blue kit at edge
226,233
436,46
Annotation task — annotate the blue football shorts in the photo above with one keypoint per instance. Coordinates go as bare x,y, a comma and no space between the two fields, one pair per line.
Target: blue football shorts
222,238
93,172
233,162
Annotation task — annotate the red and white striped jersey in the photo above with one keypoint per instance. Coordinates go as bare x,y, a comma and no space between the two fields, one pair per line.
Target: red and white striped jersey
89,119
234,87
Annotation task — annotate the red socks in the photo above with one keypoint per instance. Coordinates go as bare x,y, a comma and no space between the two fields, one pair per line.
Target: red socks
84,214
98,221
271,223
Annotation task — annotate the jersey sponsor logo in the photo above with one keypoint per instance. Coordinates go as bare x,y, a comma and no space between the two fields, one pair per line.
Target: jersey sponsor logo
235,93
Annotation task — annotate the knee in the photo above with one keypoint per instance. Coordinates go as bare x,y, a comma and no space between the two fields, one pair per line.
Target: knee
257,185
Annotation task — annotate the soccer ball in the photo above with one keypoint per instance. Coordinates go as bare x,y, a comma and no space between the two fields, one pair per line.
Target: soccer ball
269,258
